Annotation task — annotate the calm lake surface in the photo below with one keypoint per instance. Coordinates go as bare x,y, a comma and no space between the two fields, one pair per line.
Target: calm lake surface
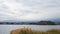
5,29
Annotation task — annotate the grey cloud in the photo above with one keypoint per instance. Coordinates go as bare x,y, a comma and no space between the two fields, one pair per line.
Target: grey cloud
42,3
29,9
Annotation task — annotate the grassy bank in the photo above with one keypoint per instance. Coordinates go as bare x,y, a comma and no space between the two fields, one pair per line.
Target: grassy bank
31,31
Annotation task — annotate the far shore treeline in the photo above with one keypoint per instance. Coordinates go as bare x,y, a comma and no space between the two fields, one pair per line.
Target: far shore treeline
33,23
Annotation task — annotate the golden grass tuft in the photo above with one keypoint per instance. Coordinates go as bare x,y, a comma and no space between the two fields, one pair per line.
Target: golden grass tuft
31,31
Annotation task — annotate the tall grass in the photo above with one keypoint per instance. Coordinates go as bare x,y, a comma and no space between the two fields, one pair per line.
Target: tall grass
30,31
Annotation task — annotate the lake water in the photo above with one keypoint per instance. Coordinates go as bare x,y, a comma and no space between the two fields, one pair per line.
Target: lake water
5,29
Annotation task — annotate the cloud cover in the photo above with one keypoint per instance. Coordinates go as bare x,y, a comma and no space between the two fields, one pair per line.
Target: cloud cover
28,10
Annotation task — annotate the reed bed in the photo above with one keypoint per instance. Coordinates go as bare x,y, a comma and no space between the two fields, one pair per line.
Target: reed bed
31,31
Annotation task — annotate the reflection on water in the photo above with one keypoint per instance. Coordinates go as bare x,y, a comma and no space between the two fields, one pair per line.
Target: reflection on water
5,29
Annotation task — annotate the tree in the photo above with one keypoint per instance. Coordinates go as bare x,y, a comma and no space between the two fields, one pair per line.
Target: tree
46,23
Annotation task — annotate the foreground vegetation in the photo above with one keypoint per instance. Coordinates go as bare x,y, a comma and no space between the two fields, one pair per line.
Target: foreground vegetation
30,31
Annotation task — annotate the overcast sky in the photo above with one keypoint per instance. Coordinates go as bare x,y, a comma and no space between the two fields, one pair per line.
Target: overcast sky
28,10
